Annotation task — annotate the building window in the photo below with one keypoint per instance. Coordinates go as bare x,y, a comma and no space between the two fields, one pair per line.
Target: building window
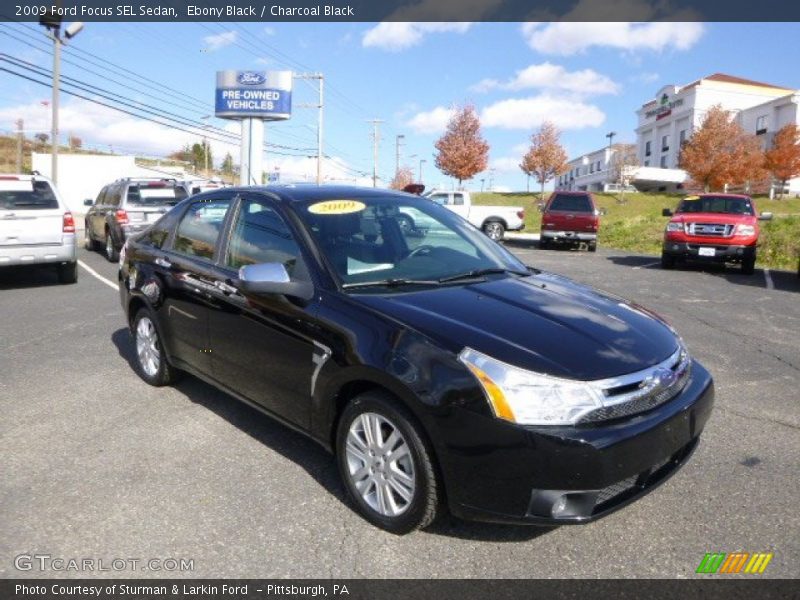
663,162
682,137
761,125
647,163
664,143
591,168
647,148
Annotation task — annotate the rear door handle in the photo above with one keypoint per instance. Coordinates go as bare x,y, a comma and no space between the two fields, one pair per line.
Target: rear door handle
163,262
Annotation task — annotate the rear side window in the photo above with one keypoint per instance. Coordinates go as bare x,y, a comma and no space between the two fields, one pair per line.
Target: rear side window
157,194
200,228
27,195
571,203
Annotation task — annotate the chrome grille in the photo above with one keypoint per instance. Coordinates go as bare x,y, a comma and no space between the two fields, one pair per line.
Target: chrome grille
638,392
709,229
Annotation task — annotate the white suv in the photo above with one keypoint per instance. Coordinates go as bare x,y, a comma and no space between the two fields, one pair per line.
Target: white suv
35,226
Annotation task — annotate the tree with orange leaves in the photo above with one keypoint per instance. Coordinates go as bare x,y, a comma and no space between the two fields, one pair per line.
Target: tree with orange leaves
546,157
720,153
402,178
462,151
783,158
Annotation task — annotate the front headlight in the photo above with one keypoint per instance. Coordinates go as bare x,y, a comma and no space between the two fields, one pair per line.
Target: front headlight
745,230
530,398
674,226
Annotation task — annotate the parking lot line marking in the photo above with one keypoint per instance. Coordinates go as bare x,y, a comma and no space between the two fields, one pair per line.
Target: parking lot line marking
768,279
97,275
650,264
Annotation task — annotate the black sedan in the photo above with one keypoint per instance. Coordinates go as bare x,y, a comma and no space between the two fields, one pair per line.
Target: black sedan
440,370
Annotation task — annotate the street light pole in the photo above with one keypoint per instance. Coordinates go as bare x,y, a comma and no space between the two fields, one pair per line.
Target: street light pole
421,162
397,152
610,135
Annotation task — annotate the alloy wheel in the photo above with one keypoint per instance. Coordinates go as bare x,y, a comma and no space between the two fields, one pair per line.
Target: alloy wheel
147,347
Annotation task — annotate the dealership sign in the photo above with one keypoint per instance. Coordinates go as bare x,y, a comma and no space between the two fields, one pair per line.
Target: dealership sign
254,95
664,108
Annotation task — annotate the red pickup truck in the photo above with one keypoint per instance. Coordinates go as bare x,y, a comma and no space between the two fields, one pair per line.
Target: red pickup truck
718,228
570,217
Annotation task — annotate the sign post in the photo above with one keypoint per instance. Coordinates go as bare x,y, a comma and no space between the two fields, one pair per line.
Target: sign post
253,97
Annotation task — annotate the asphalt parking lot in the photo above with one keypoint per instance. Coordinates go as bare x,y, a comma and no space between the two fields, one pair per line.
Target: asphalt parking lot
97,464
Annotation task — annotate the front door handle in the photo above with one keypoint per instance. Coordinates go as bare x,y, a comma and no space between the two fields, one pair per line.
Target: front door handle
225,288
163,262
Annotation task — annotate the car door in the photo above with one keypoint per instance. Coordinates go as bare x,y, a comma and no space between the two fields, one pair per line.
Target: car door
96,217
187,272
262,346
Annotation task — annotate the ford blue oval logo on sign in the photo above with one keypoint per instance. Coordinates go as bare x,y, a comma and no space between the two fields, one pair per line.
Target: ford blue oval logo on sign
254,94
251,78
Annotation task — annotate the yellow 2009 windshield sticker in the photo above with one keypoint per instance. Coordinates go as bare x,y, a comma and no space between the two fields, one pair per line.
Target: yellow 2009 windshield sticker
337,207
692,198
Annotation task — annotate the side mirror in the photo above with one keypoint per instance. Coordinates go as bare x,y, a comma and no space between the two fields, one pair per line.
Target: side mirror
667,212
765,216
272,278
599,212
540,206
88,202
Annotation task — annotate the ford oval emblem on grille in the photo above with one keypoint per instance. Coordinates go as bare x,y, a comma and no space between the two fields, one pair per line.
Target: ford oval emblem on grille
250,78
660,379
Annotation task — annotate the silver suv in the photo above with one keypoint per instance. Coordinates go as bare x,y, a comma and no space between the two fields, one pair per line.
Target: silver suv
35,226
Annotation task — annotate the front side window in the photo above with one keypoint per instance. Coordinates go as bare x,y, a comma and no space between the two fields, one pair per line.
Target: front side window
373,239
200,228
260,235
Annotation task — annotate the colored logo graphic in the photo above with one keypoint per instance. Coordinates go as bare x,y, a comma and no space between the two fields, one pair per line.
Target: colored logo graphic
735,562
251,78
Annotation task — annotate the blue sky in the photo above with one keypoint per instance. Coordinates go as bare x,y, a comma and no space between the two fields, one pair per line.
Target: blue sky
587,78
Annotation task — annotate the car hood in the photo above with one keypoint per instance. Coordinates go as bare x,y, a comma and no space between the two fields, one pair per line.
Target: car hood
545,323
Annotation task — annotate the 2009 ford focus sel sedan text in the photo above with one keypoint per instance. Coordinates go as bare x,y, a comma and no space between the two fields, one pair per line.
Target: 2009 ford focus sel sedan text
441,371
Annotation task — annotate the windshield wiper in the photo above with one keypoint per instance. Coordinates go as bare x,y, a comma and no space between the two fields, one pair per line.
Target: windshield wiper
394,282
480,272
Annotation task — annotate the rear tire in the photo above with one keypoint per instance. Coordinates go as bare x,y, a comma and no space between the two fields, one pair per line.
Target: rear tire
592,246
667,261
111,251
749,265
494,230
68,273
386,465
88,242
151,360
544,244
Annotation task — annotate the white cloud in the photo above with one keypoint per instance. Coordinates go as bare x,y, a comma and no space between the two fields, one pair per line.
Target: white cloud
432,121
297,169
220,40
270,31
568,38
548,76
396,36
529,113
505,164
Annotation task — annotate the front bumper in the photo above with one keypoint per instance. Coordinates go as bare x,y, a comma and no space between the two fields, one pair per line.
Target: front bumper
566,475
31,254
722,253
568,236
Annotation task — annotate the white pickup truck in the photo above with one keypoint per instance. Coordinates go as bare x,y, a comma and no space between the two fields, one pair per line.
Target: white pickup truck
494,221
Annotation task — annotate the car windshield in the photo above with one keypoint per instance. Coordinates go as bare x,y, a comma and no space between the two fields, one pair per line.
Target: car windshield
571,203
155,195
26,195
393,240
716,204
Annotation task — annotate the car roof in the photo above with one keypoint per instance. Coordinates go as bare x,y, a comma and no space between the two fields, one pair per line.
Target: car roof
304,192
573,193
713,195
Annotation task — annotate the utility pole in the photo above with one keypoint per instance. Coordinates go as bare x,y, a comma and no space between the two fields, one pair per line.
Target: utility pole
321,79
491,180
52,21
20,141
422,161
376,137
397,144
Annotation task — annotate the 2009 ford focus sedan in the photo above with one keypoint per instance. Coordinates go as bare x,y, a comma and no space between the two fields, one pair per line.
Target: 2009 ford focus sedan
441,371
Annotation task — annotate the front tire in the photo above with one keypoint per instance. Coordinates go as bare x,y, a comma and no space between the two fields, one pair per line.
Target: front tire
151,360
749,265
386,465
494,230
88,241
667,261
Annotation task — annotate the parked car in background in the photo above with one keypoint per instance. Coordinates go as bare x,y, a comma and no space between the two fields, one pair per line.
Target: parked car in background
441,371
35,226
721,228
125,207
494,221
198,186
570,218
